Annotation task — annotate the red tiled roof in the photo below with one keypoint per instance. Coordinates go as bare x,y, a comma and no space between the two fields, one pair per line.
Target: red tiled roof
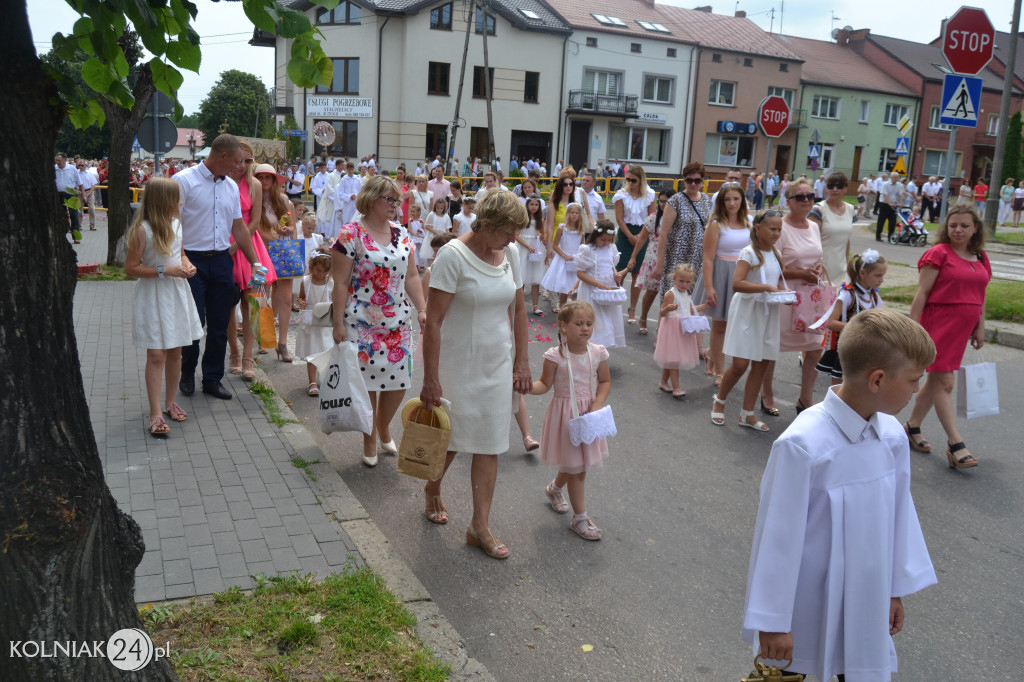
826,63
183,134
580,16
723,32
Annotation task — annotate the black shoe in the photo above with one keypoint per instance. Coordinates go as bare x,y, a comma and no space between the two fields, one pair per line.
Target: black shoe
187,385
217,390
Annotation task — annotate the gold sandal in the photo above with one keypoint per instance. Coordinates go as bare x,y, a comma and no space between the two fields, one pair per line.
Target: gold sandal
491,546
435,510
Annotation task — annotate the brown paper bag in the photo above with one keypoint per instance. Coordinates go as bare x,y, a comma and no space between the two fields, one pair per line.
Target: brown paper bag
424,446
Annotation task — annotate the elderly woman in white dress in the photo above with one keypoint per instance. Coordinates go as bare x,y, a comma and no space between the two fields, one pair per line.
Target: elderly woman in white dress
473,356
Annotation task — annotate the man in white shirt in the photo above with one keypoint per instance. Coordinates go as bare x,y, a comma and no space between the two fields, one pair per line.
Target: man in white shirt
436,162
888,203
330,163
441,188
931,196
733,175
296,180
911,193
877,184
317,184
819,187
68,185
594,200
211,213
558,168
497,164
345,198
88,182
769,189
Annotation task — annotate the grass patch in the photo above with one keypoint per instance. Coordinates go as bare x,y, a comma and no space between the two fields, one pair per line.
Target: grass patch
267,395
107,273
1004,301
347,627
1006,237
303,464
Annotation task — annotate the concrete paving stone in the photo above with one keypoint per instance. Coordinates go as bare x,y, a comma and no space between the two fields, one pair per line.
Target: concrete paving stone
166,509
170,527
189,498
141,485
219,521
183,483
277,490
210,487
142,502
135,446
117,480
261,500
305,498
160,464
255,550
314,513
151,563
193,515
248,529
252,440
160,477
203,556
138,472
177,571
145,518
149,588
277,537
272,476
266,568
267,517
241,510
286,506
285,560
335,552
214,502
305,544
208,580
234,493
265,464
200,461
205,474
232,565
230,478
242,461
316,565
236,446
349,543
121,495
295,524
199,535
164,491
180,591
254,484
226,542
295,480
325,532
243,582
182,467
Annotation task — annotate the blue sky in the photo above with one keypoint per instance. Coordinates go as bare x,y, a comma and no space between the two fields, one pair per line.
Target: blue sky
225,29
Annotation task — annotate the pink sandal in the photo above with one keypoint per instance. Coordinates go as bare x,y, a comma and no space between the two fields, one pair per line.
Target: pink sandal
556,499
585,528
175,412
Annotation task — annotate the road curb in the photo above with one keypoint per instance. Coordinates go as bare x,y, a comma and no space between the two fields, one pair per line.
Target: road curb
432,627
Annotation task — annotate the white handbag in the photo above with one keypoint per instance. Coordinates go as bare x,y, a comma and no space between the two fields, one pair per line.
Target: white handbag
593,425
977,390
323,315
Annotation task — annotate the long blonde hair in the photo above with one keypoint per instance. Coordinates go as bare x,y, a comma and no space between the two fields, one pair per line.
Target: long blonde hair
278,202
254,188
159,208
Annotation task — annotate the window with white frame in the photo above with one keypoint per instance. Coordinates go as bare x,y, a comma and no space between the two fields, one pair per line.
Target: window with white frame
935,121
993,124
865,111
723,93
638,144
893,113
729,150
601,82
824,106
886,160
658,89
784,93
935,163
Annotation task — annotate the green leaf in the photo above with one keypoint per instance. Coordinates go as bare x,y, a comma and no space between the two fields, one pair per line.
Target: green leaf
121,95
120,65
98,75
302,72
83,27
73,203
294,23
166,78
185,55
143,17
83,115
262,17
64,48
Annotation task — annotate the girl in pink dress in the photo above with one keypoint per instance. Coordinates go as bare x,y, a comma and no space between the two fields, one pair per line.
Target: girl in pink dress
592,381
676,348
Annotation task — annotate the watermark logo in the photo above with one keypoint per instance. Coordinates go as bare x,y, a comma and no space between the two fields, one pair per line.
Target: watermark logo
128,649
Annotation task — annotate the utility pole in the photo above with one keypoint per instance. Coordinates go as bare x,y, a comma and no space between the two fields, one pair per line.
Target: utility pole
450,147
487,86
991,216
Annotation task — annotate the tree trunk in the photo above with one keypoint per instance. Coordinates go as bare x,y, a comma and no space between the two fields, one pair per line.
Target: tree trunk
124,125
67,553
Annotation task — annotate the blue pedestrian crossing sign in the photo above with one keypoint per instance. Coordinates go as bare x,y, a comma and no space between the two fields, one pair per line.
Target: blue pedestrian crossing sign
814,153
961,98
902,145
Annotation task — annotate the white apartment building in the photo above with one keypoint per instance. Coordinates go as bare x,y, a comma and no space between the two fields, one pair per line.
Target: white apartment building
396,76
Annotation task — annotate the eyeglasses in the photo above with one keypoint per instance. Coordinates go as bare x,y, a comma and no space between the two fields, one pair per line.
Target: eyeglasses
694,181
803,197
392,201
247,161
730,184
835,186
632,181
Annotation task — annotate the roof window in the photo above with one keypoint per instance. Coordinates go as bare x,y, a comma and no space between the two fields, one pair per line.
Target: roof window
609,20
529,13
654,27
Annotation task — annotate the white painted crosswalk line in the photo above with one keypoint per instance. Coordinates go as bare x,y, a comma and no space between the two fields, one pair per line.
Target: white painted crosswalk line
1008,269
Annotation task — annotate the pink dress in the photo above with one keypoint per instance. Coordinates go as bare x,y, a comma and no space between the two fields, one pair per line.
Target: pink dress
800,248
676,349
555,446
242,271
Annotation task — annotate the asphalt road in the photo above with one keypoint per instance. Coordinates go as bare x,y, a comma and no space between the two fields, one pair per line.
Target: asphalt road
660,597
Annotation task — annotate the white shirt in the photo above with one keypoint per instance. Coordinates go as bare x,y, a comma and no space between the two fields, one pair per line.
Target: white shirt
878,184
463,223
66,177
317,184
330,165
819,188
209,207
769,185
890,193
931,189
837,536
295,181
558,169
497,166
596,202
911,188
87,179
346,191
434,164
634,211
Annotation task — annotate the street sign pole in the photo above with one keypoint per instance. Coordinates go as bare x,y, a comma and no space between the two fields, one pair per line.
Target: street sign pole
767,162
950,169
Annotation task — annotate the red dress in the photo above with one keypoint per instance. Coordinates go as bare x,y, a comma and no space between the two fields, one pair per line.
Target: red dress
954,304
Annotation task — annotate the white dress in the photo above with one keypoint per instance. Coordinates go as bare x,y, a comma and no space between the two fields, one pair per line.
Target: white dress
560,278
753,328
599,263
533,270
164,313
442,223
475,364
311,340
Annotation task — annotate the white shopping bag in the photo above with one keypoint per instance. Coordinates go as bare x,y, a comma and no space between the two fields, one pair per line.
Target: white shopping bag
344,400
977,391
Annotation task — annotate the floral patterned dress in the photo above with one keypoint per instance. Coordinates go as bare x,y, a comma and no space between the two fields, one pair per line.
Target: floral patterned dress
686,236
378,313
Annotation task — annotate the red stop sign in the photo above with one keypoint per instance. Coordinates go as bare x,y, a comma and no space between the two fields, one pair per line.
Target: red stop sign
968,40
773,116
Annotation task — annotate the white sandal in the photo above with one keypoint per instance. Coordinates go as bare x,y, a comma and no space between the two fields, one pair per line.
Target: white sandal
718,418
757,426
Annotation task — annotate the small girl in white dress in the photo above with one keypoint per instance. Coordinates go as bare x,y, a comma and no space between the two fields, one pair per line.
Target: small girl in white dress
438,222
316,288
164,313
417,235
532,249
595,268
561,275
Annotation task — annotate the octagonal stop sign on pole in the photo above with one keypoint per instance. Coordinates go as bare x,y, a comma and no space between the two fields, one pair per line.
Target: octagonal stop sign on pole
773,116
968,40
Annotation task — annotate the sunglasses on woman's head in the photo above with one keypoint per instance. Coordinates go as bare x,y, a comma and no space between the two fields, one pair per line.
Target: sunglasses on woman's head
730,184
694,181
803,197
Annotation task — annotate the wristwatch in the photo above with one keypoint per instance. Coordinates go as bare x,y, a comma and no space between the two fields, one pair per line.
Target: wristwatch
160,271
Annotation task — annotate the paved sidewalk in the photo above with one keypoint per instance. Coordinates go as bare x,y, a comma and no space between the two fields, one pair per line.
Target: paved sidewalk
219,500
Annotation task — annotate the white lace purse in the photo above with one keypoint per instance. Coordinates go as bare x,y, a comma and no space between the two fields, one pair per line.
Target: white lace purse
593,425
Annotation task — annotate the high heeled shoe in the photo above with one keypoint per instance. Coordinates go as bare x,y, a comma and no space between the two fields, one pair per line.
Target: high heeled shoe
282,354
235,364
248,372
965,462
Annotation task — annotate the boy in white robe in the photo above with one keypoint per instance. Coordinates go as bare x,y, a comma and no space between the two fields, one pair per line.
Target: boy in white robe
837,541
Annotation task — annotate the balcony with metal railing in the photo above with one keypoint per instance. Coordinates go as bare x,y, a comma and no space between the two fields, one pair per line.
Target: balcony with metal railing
592,102
798,118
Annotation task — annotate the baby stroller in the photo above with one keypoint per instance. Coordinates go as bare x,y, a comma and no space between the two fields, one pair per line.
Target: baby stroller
911,229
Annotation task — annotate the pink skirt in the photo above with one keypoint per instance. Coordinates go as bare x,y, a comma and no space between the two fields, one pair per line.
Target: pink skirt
242,271
555,447
675,349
